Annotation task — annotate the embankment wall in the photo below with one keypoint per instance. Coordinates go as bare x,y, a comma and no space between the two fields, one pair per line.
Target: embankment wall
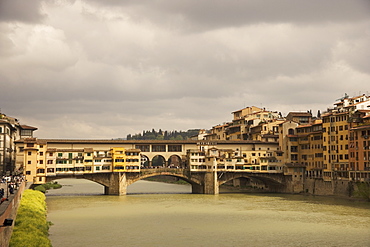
316,186
8,210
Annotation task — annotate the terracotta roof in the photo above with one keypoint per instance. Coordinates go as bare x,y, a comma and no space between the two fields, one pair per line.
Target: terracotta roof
304,126
292,135
270,135
361,127
300,114
65,150
27,127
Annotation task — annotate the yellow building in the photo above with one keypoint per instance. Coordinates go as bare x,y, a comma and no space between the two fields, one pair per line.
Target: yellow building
125,159
335,144
41,160
310,147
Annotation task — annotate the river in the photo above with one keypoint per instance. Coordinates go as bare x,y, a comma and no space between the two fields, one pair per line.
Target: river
159,214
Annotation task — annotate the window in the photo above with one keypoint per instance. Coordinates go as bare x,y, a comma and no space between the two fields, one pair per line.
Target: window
159,148
29,162
50,162
28,172
41,162
174,148
294,157
294,149
30,145
60,154
41,153
29,153
40,171
50,170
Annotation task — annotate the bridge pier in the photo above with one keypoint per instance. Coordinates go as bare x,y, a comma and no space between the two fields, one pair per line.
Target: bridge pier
117,184
210,184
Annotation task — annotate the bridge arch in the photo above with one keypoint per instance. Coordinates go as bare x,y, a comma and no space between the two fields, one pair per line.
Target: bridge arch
182,177
174,161
158,161
85,177
273,184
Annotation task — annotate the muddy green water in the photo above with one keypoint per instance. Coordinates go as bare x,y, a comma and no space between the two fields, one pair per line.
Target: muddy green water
158,214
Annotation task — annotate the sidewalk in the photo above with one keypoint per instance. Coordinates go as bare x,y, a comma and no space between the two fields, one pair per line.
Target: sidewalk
5,204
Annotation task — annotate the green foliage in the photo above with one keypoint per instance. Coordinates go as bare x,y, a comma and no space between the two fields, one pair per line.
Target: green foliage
47,186
163,135
40,188
55,185
363,190
31,227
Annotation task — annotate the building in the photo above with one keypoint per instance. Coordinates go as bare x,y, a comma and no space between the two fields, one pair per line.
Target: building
288,142
310,148
299,117
342,154
240,126
359,148
10,131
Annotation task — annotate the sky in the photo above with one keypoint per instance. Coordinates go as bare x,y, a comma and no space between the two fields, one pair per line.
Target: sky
92,69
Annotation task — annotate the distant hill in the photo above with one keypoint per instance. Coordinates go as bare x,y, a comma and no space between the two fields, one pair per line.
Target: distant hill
163,135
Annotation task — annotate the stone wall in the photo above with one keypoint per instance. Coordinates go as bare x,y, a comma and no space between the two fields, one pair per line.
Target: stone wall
8,210
328,188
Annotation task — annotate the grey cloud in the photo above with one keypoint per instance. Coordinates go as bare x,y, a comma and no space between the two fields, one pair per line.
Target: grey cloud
20,10
99,69
219,13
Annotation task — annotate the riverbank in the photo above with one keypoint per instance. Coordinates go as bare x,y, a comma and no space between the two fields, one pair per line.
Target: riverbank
31,227
8,210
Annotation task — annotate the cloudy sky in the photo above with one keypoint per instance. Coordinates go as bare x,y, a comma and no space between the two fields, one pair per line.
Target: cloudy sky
104,69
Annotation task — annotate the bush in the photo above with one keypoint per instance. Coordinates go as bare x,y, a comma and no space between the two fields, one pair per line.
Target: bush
47,186
55,185
40,188
31,227
363,190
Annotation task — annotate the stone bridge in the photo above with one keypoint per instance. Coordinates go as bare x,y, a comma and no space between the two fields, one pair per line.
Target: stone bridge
202,182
